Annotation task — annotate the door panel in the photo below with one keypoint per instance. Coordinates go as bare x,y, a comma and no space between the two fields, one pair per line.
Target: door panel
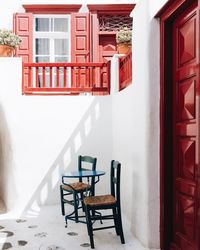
80,40
107,49
185,131
80,47
187,41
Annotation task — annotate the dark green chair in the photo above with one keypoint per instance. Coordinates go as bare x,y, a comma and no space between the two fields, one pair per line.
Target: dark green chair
73,193
105,202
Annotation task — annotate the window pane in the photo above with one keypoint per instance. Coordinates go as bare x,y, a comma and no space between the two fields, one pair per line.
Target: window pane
42,46
61,59
61,47
42,24
61,24
42,59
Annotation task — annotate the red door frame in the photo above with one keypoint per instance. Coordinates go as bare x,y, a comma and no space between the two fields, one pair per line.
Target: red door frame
167,14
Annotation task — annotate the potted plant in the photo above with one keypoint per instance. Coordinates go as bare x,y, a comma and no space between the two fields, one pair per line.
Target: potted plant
8,42
124,40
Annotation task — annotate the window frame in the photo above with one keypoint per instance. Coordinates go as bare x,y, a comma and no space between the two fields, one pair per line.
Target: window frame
52,36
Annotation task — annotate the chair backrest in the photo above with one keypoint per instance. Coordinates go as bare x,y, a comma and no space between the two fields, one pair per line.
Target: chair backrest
86,159
115,172
91,163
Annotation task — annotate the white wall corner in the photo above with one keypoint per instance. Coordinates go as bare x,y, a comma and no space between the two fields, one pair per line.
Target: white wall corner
115,73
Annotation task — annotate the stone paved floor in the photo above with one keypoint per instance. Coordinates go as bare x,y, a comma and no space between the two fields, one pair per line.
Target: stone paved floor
45,230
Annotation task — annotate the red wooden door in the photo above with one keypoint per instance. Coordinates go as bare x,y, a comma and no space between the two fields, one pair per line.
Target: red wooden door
107,49
186,130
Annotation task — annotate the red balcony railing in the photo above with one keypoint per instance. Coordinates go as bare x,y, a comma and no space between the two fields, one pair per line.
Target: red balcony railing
125,70
65,78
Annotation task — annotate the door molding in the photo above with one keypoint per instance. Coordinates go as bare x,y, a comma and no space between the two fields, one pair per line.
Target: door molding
167,14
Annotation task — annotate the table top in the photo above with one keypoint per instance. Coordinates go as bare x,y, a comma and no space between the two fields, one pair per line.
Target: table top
84,173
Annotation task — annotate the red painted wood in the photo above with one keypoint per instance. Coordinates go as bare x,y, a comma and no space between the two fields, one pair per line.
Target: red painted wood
80,37
103,44
108,75
65,77
23,26
107,47
169,8
111,8
165,215
125,71
57,77
167,14
52,8
23,81
80,45
43,77
36,78
60,90
185,143
81,84
86,64
95,37
51,77
64,93
30,74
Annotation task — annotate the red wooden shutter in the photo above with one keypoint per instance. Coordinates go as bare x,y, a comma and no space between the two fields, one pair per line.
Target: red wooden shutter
23,26
80,44
80,47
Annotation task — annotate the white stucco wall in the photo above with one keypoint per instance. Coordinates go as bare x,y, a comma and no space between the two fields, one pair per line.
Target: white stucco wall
41,134
41,137
136,128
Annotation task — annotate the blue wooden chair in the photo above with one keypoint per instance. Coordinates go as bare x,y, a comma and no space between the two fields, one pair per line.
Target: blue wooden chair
73,193
102,202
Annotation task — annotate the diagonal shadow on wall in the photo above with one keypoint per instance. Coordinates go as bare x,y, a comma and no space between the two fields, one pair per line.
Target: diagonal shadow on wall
90,137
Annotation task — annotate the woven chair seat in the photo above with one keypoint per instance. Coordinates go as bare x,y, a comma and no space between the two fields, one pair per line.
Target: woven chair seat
78,186
100,200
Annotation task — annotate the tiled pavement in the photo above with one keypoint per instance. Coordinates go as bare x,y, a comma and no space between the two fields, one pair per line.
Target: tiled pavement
45,230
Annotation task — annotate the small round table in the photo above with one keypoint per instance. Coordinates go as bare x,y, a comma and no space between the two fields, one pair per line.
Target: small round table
83,173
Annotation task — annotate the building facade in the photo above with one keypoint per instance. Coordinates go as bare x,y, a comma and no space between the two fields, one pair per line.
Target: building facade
151,127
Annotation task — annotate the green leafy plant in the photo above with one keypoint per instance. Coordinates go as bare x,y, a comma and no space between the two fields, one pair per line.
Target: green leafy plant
7,37
124,36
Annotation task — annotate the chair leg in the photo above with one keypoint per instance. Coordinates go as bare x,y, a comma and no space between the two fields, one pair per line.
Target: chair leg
82,203
120,226
116,221
61,201
75,206
89,226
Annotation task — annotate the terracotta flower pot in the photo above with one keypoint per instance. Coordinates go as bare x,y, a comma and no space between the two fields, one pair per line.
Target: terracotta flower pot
123,48
6,51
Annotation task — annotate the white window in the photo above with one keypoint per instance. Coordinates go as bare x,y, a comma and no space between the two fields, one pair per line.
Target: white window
51,41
